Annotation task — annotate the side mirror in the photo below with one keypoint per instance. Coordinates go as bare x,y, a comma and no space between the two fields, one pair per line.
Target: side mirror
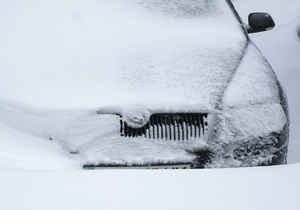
260,21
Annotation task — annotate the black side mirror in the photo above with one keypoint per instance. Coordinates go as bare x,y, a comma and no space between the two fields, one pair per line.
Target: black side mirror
260,21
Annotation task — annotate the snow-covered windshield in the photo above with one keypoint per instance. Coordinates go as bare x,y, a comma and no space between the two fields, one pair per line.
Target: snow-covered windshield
185,9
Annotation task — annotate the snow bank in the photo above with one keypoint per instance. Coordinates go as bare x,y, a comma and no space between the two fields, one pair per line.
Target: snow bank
21,151
243,188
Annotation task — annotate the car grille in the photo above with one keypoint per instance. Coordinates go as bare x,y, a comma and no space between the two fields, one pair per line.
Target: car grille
170,126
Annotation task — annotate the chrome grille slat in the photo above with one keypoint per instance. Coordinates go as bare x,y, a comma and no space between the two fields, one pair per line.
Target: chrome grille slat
169,126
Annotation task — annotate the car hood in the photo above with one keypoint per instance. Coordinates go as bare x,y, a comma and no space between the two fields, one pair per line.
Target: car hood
118,53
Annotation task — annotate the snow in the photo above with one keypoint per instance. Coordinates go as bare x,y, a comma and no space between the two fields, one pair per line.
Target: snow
23,152
243,188
131,68
191,73
285,41
73,48
243,127
252,81
37,174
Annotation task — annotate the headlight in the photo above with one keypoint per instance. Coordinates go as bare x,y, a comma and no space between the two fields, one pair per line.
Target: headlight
253,121
250,136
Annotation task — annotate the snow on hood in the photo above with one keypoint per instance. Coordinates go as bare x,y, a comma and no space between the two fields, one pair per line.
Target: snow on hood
253,83
102,53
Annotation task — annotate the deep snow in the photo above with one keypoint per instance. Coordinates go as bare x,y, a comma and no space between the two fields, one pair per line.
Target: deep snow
243,188
38,174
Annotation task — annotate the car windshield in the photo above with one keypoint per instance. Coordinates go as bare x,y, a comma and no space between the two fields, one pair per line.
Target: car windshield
187,8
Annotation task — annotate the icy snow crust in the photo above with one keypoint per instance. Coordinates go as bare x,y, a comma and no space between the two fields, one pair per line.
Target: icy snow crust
131,57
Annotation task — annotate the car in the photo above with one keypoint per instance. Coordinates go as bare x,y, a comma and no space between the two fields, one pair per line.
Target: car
168,84
206,97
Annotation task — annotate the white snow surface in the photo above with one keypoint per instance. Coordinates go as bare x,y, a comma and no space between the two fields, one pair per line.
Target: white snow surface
243,188
251,83
99,53
37,174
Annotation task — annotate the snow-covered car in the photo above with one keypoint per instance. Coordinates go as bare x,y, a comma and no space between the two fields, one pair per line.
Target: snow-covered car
203,97
176,84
